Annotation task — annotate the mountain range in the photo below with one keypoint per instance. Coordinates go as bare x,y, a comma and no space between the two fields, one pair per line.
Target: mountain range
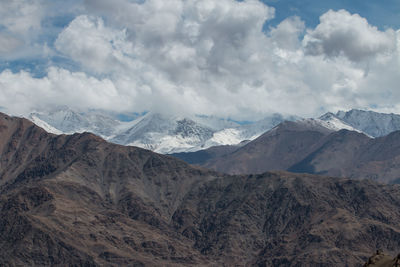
168,134
157,132
307,147
78,200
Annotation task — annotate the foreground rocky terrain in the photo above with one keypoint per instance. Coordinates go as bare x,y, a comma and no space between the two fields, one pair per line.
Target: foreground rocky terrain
78,200
380,259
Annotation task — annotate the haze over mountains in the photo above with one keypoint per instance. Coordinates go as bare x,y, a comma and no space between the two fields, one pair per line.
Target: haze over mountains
79,200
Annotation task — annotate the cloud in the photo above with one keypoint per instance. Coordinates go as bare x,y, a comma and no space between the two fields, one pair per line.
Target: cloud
87,41
21,93
211,57
341,33
21,16
8,43
287,33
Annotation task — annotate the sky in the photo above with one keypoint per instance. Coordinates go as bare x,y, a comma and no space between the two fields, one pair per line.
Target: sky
235,59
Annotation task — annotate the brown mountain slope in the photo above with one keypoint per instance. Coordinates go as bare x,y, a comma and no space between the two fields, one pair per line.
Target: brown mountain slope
202,156
277,149
335,154
305,148
281,219
351,154
78,200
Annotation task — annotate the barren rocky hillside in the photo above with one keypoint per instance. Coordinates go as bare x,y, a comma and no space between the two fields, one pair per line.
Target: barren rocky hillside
78,200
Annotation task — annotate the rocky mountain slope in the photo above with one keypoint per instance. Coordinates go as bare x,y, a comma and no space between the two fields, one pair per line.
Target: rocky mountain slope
351,154
277,149
305,147
380,259
78,200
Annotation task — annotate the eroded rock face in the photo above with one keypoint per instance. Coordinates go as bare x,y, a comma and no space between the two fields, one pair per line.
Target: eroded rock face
381,259
78,200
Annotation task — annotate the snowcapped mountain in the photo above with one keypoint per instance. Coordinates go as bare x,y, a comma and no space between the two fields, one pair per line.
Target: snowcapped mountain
47,127
372,123
163,134
172,134
331,121
157,132
65,120
250,131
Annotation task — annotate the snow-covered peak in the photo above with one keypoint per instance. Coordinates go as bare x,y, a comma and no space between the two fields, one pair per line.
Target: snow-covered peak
44,125
248,131
372,123
68,121
168,134
331,121
164,134
63,119
158,132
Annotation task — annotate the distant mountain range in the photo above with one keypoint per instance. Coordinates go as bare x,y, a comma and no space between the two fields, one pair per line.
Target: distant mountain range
168,134
371,123
157,132
306,146
77,200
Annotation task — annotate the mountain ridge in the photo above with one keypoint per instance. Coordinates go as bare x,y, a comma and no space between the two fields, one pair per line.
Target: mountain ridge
302,147
194,133
79,200
157,132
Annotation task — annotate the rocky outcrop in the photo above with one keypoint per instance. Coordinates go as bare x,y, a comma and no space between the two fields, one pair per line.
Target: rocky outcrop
380,259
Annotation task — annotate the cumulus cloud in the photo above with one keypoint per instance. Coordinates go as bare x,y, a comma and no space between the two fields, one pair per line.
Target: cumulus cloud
341,33
21,93
89,42
212,57
286,34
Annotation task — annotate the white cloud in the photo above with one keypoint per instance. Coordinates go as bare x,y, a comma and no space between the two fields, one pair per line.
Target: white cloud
21,16
286,34
213,57
98,48
21,93
341,33
21,29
